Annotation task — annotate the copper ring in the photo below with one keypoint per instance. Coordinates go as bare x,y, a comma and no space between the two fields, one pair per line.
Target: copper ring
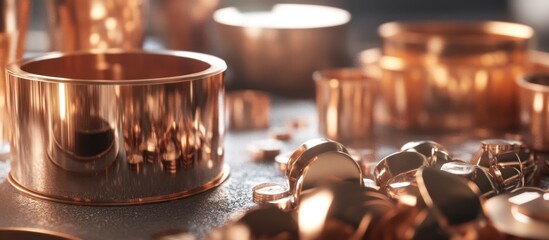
303,158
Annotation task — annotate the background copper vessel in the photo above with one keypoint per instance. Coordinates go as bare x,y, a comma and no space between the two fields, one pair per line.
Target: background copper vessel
345,100
534,109
452,75
277,48
183,24
13,29
117,127
98,24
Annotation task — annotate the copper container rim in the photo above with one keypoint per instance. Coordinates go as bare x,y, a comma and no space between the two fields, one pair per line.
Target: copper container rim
222,13
39,231
524,81
415,30
216,66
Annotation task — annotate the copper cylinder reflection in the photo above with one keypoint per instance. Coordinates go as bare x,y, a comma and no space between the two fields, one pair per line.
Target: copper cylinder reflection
138,126
82,126
13,28
534,109
345,101
182,24
96,24
452,75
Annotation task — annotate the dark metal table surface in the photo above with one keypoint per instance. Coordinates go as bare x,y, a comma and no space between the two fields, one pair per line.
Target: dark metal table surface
201,213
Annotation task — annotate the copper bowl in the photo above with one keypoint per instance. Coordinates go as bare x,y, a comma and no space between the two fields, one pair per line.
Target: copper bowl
277,50
99,24
452,75
116,127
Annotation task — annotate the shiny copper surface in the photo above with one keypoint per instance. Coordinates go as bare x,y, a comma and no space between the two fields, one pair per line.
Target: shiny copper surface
98,24
452,75
436,154
319,159
117,127
13,29
454,201
267,192
505,212
276,48
248,109
534,109
33,234
396,164
345,100
183,24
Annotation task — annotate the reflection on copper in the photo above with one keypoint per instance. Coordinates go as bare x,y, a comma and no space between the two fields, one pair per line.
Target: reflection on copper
313,213
268,192
13,29
452,75
522,213
98,24
248,109
317,160
258,42
128,120
534,109
501,158
183,24
397,164
345,101
33,234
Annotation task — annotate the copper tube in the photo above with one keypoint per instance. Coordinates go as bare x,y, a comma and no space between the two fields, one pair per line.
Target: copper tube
345,100
13,29
534,109
248,109
452,75
99,24
183,24
276,48
117,127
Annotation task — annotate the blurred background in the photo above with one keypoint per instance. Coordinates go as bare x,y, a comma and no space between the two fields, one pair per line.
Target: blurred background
366,17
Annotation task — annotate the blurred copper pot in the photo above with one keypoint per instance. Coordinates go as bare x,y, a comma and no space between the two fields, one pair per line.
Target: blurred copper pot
98,24
13,29
117,127
278,49
183,24
534,109
452,75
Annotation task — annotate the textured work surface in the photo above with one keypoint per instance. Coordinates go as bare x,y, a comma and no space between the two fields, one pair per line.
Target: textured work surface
198,214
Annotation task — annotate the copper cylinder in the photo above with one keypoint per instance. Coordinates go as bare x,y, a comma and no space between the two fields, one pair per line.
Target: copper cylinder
248,109
452,75
183,24
13,29
98,24
277,48
117,127
345,100
534,109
